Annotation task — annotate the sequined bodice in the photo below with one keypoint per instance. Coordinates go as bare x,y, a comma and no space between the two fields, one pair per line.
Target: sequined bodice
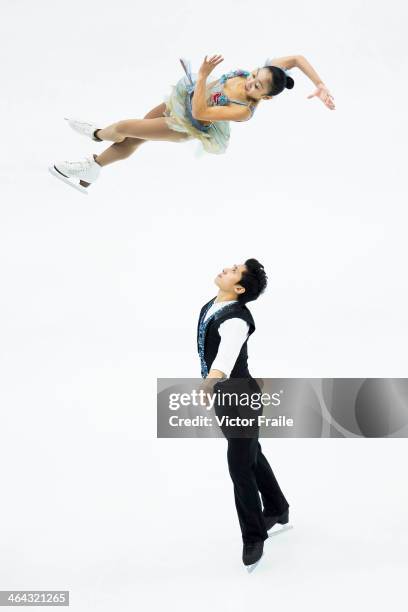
217,96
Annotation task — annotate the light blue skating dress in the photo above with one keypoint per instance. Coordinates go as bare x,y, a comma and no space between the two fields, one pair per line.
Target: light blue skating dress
214,137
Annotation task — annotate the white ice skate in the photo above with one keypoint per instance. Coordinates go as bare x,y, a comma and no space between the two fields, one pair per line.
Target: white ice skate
86,128
72,172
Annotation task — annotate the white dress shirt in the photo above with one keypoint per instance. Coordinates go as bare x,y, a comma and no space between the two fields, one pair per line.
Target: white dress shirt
233,334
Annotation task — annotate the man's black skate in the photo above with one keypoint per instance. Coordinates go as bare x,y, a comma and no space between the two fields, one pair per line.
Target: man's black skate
270,521
252,552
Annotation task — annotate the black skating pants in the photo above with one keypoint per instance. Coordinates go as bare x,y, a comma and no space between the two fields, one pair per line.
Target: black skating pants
251,474
253,477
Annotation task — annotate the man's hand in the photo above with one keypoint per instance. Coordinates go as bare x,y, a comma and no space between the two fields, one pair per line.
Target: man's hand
207,386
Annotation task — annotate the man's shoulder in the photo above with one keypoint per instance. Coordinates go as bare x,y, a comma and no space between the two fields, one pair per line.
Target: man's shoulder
237,311
246,314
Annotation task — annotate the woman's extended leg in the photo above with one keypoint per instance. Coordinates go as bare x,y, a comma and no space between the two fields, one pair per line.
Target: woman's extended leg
127,136
147,129
129,144
125,148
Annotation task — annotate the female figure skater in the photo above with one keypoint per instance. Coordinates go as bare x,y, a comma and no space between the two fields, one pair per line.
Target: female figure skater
194,109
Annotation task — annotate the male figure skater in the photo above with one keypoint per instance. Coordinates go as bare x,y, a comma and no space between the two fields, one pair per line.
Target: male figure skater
224,326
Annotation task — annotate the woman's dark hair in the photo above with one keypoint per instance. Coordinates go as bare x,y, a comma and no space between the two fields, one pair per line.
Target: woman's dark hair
280,80
254,281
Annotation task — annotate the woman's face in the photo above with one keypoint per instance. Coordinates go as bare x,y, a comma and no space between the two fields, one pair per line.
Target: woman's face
258,83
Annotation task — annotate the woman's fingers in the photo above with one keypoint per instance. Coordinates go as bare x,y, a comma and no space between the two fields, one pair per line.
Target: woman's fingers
215,58
324,95
210,62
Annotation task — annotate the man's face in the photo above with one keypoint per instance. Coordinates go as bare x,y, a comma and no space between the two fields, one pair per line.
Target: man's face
228,279
258,83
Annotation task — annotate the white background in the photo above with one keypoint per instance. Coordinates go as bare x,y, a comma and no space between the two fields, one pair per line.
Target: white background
100,295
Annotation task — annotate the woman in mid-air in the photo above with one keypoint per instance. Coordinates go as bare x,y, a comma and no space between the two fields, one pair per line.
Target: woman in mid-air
194,109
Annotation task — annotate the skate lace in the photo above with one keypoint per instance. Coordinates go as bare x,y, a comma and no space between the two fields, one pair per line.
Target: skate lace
78,167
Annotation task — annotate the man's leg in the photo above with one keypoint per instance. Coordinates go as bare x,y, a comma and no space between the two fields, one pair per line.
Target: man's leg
242,455
274,501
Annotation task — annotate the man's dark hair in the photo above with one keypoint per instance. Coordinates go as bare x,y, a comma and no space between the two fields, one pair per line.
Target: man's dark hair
254,280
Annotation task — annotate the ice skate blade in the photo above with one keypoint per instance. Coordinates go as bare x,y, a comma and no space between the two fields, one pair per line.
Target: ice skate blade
251,568
66,180
276,532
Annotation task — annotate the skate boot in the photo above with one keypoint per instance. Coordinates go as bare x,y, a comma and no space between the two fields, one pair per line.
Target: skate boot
252,552
86,128
282,519
86,170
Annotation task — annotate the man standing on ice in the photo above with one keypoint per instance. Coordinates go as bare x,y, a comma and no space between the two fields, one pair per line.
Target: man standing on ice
224,326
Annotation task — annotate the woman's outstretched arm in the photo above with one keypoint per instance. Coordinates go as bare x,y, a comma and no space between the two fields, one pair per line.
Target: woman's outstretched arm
322,92
308,70
296,61
299,61
287,62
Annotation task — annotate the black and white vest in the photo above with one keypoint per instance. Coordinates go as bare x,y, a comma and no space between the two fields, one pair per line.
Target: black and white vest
208,337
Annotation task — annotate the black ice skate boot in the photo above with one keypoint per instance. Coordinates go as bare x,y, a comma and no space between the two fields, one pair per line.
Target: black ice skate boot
282,519
252,552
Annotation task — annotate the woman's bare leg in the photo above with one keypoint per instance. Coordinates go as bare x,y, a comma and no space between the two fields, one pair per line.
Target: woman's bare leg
122,150
128,144
147,129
